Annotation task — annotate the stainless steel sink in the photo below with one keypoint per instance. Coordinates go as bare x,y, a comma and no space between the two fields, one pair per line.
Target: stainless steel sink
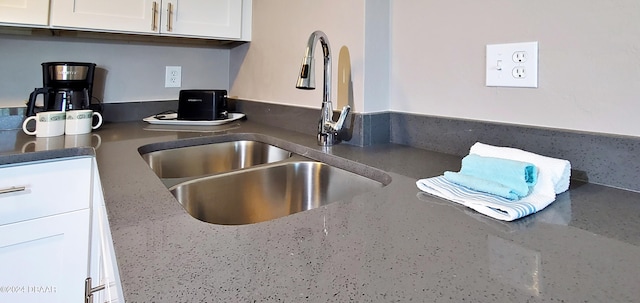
261,194
200,160
247,178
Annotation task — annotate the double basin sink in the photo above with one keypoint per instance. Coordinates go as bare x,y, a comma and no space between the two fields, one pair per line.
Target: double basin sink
244,179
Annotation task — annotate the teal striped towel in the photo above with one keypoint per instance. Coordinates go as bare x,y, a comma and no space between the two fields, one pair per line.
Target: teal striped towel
509,179
552,178
491,205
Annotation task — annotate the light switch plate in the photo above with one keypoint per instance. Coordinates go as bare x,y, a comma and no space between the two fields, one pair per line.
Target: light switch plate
512,64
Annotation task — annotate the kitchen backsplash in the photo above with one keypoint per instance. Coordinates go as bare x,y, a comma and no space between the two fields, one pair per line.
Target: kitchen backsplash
12,117
597,158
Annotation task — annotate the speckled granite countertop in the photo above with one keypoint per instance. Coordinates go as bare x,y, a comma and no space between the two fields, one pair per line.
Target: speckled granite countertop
394,244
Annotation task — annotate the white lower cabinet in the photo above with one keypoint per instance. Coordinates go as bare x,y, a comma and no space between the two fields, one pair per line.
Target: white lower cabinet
45,259
53,228
105,278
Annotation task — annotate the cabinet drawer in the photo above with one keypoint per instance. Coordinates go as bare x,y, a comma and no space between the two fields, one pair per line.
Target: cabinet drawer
49,188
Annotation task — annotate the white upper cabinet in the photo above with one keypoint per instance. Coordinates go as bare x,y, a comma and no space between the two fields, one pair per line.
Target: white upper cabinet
114,15
24,12
184,18
204,18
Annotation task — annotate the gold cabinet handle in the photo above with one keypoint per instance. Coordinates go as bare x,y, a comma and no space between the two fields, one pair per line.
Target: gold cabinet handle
169,17
12,189
154,16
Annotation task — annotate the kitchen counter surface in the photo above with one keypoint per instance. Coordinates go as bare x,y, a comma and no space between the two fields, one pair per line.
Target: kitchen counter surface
394,244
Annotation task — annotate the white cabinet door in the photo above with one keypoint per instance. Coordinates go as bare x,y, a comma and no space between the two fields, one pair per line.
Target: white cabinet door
104,266
136,16
202,18
45,260
25,12
182,18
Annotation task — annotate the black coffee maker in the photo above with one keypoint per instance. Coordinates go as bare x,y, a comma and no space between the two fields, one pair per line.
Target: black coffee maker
66,86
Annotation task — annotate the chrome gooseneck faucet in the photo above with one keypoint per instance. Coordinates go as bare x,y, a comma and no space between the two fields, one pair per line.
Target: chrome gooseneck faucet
328,130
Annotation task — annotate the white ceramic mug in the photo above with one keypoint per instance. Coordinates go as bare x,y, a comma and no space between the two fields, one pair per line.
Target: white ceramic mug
48,124
82,140
44,143
81,121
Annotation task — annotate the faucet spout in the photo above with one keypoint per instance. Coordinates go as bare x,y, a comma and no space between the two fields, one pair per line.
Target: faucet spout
328,130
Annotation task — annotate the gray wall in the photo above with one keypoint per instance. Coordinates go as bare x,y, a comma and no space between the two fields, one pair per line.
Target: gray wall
589,67
127,71
589,71
589,62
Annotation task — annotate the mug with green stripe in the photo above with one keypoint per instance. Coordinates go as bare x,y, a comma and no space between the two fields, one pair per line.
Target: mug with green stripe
48,124
81,121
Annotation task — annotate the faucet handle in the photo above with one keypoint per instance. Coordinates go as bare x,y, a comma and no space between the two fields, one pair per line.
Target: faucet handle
343,116
329,131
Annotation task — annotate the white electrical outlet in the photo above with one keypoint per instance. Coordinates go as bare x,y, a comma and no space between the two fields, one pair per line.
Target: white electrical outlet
519,56
173,76
519,72
512,64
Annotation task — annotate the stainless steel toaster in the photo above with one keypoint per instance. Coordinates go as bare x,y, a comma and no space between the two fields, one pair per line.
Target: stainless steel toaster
202,104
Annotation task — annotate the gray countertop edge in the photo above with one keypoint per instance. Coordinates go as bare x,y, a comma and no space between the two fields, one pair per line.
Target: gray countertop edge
46,155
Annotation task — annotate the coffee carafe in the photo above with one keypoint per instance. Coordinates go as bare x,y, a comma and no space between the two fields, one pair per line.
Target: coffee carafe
66,86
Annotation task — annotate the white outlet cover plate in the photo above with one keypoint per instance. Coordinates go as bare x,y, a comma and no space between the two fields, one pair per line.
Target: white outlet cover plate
173,76
501,64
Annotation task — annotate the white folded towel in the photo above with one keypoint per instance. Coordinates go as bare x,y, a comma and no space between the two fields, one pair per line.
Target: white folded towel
553,178
552,172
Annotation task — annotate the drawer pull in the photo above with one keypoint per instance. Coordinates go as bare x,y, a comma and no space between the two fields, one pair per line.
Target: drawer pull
88,290
154,14
12,189
169,16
